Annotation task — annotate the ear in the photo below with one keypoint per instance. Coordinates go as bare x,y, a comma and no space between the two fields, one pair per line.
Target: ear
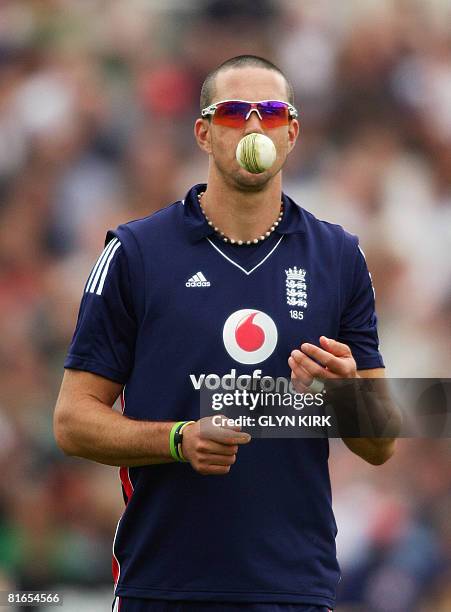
293,133
202,132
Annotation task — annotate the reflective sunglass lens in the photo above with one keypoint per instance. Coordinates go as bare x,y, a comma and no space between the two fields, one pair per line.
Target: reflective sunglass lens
231,113
274,113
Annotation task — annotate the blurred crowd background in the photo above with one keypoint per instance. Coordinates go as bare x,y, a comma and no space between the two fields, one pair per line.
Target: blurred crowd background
97,103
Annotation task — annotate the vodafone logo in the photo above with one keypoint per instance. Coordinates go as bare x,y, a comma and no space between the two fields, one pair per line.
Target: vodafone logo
250,336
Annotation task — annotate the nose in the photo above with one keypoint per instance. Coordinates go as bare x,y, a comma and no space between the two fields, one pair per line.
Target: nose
253,124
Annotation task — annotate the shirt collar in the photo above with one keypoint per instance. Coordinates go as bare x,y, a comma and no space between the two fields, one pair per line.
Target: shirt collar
198,228
293,217
195,222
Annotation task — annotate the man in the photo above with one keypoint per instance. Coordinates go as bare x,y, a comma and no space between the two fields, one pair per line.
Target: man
198,290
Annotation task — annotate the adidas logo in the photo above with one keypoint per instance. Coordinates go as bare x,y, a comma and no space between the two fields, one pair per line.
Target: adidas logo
197,280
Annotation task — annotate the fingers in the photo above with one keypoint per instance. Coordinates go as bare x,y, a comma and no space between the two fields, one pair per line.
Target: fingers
222,460
214,470
301,379
210,458
336,357
332,360
212,450
336,348
305,363
325,359
223,435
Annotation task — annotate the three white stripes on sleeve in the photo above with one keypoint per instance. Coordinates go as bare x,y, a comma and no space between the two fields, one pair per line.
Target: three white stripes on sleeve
100,270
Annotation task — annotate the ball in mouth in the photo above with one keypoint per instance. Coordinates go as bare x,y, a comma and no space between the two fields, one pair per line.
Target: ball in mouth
256,153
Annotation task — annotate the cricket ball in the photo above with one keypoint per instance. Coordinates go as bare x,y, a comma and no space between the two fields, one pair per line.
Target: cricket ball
256,153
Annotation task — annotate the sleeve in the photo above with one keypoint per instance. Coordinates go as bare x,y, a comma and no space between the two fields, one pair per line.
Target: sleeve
104,339
358,323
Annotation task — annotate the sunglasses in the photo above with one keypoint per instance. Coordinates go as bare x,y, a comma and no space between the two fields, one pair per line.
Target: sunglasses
235,113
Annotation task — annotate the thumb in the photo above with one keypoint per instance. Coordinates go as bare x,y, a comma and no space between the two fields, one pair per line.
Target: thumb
335,348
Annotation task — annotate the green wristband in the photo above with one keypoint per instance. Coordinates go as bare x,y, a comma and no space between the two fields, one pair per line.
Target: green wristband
172,444
180,436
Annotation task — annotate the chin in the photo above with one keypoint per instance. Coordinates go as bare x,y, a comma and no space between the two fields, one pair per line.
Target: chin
247,181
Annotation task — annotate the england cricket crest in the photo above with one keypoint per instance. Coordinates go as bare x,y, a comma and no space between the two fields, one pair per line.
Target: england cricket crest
296,288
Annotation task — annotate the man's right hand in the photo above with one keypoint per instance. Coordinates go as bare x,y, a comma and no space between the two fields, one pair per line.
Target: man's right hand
211,449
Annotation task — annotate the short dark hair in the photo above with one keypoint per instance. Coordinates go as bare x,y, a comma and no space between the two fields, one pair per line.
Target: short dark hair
240,61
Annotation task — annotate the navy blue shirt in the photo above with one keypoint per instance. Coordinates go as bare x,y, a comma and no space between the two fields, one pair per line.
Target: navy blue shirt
161,308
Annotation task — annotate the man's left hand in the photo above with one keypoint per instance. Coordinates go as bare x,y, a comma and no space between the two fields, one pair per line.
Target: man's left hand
332,360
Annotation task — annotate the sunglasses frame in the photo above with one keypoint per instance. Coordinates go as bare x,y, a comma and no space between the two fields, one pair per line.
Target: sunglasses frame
209,111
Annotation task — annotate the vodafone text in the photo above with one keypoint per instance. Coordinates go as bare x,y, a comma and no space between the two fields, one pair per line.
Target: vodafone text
252,390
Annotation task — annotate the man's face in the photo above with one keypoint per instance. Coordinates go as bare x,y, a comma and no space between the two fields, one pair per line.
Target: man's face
252,84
